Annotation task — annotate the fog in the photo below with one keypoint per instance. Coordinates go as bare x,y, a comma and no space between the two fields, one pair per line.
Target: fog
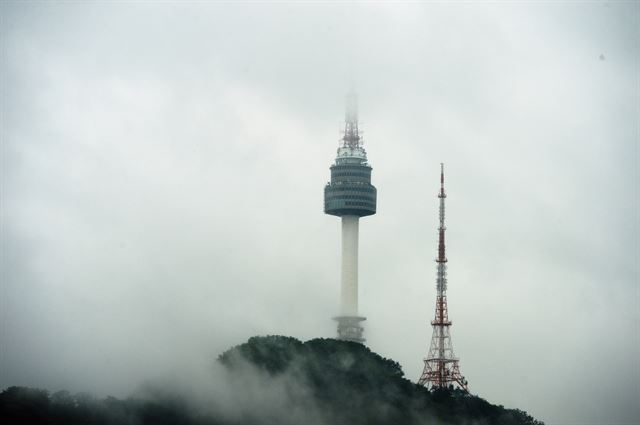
162,178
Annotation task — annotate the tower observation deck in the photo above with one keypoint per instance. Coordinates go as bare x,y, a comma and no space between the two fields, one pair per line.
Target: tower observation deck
350,195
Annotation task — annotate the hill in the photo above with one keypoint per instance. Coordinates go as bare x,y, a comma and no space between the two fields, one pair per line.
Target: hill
276,380
350,384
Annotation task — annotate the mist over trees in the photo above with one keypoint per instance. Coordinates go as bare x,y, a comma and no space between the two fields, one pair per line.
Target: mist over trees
273,380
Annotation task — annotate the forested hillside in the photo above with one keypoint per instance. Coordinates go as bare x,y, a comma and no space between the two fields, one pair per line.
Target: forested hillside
276,380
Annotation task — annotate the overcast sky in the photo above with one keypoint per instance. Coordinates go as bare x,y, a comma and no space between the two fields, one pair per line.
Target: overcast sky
163,168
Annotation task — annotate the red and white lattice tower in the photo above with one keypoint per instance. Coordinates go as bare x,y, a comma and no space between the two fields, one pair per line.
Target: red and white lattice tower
441,366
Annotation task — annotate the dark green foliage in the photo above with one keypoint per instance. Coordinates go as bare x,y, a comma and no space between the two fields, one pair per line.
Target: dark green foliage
274,353
352,385
24,405
28,406
330,382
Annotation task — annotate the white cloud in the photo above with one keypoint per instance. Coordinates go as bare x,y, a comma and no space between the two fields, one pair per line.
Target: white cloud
163,175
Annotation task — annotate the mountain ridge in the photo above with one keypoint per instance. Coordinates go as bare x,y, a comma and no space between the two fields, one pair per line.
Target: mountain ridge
275,380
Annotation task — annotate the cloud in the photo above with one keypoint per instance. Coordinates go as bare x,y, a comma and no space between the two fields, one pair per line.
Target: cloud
162,184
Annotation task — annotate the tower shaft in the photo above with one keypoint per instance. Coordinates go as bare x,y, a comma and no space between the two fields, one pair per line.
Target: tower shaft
349,281
441,367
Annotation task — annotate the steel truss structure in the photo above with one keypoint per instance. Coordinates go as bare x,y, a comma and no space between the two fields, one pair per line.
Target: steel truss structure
441,368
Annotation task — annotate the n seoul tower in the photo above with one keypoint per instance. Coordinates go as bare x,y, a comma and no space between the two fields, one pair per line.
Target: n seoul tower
350,195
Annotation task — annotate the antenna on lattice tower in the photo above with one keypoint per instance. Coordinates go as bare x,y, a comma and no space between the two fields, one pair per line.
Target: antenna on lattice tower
441,368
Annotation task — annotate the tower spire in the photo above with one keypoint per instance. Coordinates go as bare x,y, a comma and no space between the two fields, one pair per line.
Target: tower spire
441,365
442,257
442,195
351,136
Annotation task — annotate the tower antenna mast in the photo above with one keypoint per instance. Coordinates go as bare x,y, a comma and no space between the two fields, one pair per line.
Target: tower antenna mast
441,367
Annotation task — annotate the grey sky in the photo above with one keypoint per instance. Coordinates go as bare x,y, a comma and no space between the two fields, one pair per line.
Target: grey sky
163,168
